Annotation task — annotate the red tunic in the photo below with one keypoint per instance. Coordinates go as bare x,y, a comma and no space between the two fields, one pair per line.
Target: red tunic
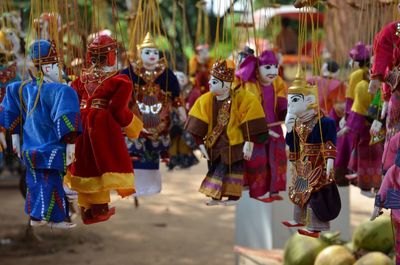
102,160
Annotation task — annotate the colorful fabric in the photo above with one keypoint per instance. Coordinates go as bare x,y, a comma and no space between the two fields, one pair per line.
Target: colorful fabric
244,108
307,217
55,115
223,180
102,161
45,198
389,153
385,44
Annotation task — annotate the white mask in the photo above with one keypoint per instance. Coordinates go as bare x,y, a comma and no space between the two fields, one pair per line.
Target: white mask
111,68
268,73
219,88
203,55
52,73
182,78
298,103
353,64
150,56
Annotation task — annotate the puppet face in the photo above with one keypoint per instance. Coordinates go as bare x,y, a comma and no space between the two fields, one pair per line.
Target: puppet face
268,72
150,56
299,103
52,72
182,79
219,87
203,55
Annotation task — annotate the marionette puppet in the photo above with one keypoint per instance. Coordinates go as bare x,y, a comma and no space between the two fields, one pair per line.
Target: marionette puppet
266,170
360,56
242,55
386,70
366,158
226,122
156,91
311,138
44,115
388,196
8,75
199,68
332,103
102,160
182,143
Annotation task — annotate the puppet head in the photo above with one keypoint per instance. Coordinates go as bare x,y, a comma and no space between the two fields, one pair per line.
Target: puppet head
148,51
330,69
360,55
102,52
44,56
302,97
247,51
203,53
268,67
222,76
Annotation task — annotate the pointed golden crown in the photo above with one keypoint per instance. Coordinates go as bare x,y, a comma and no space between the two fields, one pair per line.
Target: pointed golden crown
223,71
148,42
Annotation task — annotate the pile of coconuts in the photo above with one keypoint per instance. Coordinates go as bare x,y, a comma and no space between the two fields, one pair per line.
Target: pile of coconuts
372,244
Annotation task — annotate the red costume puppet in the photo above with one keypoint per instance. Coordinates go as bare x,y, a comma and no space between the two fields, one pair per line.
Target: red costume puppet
102,160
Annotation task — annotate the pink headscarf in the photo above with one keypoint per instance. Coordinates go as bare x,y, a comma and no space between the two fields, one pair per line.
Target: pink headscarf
249,67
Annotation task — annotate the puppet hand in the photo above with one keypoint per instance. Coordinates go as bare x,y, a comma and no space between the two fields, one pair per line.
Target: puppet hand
3,141
70,154
329,167
203,150
374,85
376,212
343,131
182,114
16,144
375,128
273,134
289,122
385,107
342,123
248,150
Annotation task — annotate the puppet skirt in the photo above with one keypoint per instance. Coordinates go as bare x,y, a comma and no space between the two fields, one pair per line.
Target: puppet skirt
45,198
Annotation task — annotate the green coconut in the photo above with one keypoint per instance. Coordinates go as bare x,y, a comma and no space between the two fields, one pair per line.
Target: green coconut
374,258
374,235
335,255
302,250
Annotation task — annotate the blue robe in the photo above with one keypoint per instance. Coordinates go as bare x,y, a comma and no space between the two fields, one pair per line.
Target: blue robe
43,128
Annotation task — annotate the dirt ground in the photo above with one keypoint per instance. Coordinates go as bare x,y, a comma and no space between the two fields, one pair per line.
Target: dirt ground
172,228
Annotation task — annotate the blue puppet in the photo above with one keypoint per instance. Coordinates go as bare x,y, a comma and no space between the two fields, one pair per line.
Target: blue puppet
43,115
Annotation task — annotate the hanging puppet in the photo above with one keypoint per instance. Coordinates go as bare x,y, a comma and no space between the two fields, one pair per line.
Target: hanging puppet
266,171
366,157
332,103
44,114
386,68
359,59
8,74
156,91
226,122
102,160
311,138
182,143
389,193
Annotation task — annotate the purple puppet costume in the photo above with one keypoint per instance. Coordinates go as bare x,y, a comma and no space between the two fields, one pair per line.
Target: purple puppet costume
266,171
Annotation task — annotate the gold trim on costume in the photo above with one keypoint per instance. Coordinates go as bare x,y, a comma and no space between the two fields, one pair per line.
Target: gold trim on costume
105,182
134,128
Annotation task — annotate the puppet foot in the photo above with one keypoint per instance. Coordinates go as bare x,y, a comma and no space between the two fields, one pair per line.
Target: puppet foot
37,223
99,218
61,225
292,224
230,202
271,198
310,233
213,202
368,193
